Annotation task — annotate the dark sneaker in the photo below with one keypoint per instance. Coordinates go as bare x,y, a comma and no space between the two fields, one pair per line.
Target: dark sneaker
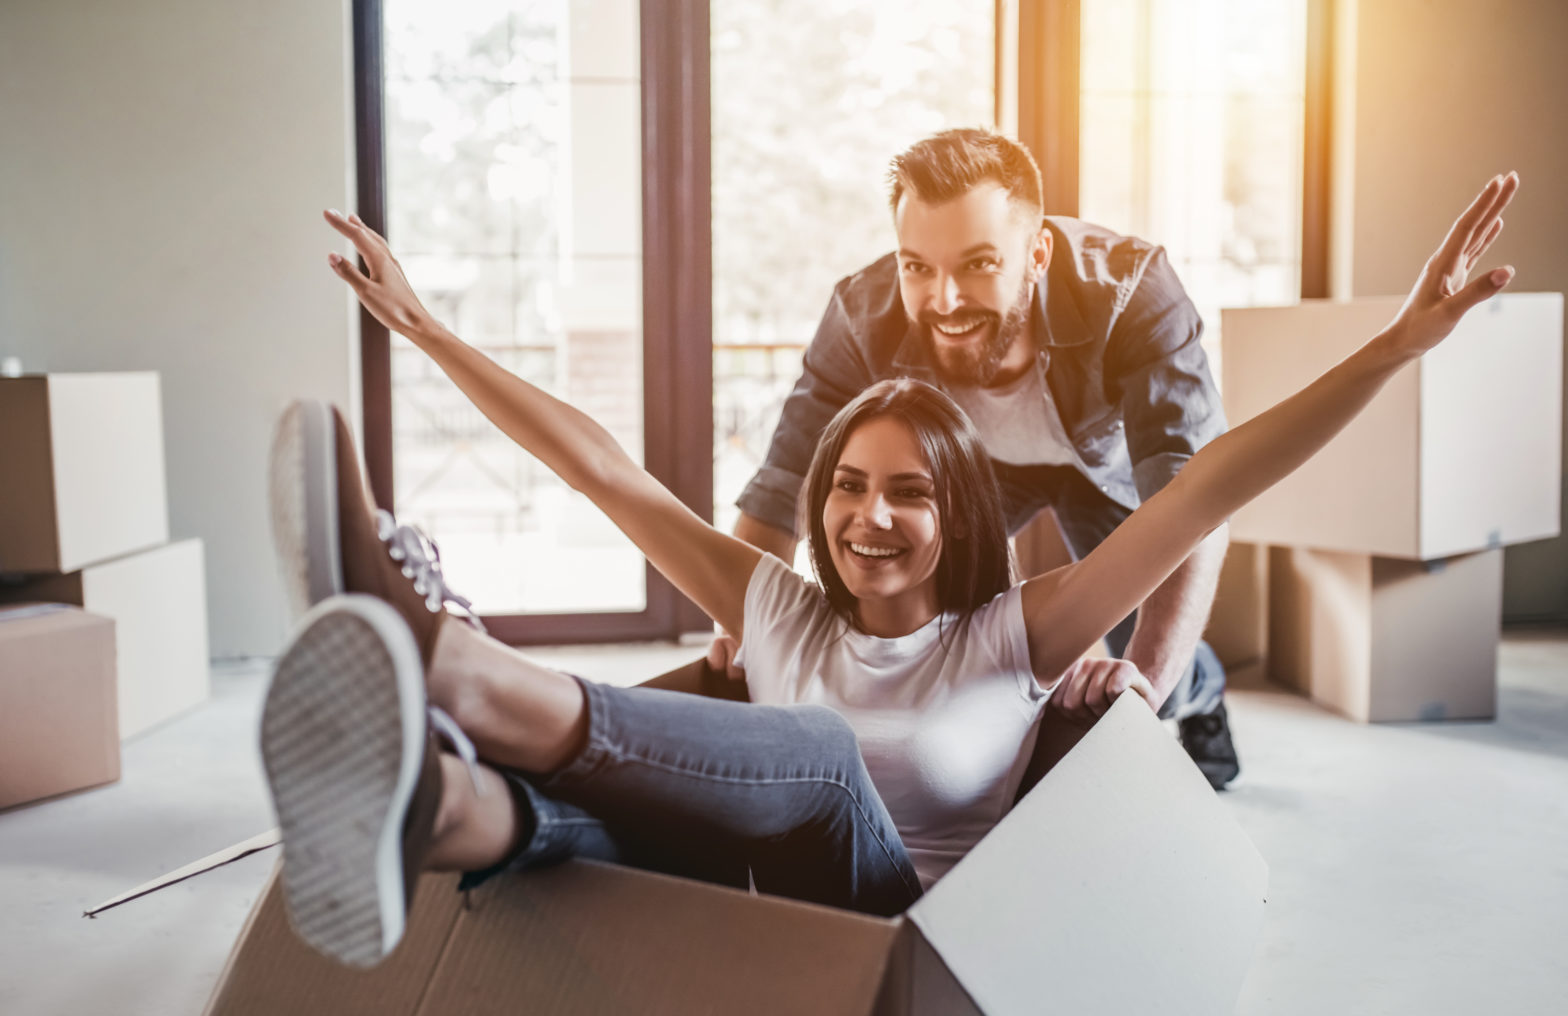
1207,739
332,539
355,775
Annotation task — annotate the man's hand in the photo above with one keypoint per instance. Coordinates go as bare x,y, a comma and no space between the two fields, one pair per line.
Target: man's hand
721,657
382,287
1089,686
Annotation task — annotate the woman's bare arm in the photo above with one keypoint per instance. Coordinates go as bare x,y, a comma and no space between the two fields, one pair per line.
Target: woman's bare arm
1066,610
711,567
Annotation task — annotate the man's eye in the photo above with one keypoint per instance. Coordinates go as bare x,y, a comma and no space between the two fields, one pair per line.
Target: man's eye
982,264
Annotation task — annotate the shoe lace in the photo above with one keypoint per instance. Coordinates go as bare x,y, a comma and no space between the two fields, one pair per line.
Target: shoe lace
421,561
447,727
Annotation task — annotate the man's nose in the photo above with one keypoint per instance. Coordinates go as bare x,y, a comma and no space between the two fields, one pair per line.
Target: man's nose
946,299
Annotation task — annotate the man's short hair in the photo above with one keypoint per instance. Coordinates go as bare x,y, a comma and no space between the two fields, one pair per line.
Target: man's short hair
950,164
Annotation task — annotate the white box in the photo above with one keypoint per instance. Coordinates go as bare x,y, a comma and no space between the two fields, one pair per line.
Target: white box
81,470
158,601
1384,638
1461,451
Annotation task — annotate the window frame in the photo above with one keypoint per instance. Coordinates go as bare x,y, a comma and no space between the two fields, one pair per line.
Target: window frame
677,300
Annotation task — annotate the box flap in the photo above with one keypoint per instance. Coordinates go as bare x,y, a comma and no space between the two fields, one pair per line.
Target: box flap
918,983
272,972
1122,859
594,938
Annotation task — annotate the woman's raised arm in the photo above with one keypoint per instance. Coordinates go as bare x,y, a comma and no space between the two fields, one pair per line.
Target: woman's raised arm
707,565
1066,610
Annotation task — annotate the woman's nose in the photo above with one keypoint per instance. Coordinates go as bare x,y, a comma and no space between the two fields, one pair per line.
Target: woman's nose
876,513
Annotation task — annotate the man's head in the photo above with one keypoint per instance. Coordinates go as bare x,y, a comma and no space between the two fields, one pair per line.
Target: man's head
967,208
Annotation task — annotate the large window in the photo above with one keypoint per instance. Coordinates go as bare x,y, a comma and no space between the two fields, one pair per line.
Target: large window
811,98
1192,137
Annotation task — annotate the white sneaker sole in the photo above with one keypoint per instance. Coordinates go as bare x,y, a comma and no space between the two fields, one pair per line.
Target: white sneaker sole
342,738
303,490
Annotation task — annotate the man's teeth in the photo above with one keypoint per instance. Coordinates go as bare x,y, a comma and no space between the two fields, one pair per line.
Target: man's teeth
865,551
958,329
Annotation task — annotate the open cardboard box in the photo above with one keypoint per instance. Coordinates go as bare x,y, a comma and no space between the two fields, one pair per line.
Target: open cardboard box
1120,884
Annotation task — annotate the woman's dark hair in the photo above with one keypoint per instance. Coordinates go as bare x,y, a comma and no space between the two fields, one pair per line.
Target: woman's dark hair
975,564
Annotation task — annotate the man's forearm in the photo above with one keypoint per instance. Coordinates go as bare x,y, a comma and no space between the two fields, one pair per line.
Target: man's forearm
1172,619
766,538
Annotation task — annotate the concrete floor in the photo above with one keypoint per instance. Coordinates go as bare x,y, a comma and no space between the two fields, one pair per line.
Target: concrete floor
1415,868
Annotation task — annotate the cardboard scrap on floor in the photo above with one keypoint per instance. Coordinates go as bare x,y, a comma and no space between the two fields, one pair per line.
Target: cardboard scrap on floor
1121,884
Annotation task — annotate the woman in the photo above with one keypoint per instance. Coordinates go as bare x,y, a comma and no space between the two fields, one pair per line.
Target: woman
917,640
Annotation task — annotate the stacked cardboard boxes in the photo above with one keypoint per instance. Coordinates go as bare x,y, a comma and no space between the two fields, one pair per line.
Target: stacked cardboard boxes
1385,568
84,521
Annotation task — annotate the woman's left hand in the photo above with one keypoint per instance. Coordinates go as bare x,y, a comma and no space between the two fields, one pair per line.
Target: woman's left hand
1441,296
382,287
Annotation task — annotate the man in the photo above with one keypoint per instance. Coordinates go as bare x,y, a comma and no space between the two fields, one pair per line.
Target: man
1076,353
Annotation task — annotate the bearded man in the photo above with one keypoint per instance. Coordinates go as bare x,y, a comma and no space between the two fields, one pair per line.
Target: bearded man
1074,350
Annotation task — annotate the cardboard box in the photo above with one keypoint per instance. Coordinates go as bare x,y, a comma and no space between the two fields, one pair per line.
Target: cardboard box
1121,884
1460,452
82,458
1387,639
158,599
58,730
1238,628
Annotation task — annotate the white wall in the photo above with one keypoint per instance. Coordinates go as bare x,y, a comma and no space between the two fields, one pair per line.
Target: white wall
162,168
1447,93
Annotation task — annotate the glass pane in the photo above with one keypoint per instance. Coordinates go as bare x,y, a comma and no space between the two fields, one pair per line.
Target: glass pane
514,202
1192,133
811,98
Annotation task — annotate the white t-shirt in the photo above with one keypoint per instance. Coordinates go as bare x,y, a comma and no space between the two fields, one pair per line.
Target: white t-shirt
945,716
1018,422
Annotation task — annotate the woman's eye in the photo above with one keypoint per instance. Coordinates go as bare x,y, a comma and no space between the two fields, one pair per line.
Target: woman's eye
912,493
849,486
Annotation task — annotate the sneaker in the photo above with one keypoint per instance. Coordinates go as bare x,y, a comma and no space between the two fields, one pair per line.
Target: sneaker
355,775
331,538
1207,739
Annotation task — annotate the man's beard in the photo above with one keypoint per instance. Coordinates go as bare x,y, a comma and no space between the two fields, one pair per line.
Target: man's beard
976,363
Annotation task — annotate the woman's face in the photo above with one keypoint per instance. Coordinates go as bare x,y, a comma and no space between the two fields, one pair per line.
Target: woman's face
883,528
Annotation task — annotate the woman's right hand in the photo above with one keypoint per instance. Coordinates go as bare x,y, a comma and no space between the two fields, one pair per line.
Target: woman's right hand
382,287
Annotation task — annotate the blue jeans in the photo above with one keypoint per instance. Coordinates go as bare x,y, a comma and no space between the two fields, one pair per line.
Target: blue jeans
707,789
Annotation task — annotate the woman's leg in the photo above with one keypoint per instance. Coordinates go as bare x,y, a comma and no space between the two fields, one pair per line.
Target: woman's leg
677,777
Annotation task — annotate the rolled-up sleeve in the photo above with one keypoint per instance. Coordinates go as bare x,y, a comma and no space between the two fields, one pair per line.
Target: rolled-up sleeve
834,371
1159,371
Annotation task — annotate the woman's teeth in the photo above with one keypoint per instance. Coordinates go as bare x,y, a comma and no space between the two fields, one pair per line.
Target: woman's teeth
864,551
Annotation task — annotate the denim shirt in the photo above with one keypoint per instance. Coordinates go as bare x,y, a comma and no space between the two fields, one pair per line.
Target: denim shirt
1118,340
